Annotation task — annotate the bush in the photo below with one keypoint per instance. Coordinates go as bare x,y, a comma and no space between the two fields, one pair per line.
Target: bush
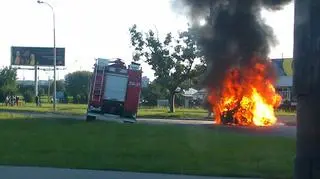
2,96
80,99
28,96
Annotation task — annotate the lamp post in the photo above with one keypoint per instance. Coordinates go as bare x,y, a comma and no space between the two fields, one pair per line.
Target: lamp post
54,54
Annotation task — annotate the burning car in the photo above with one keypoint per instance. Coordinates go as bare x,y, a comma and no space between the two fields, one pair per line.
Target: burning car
236,43
247,96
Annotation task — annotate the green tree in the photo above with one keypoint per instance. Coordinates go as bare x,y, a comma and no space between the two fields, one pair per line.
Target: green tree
8,78
60,84
22,89
42,91
196,83
77,85
172,59
152,93
28,96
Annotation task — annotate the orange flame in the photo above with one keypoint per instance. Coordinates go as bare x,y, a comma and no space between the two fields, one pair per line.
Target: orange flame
247,97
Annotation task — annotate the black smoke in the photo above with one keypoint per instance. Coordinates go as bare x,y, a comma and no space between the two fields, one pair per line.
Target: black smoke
235,32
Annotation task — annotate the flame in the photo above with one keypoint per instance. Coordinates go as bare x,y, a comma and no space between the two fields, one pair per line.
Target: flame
247,97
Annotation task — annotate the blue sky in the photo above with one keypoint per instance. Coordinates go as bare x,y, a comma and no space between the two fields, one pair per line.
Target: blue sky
90,29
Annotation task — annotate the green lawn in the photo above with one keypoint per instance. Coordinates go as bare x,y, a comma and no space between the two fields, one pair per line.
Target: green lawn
144,148
181,113
77,109
144,112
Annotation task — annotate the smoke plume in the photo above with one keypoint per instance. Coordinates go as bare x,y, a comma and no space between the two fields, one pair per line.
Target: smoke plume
235,32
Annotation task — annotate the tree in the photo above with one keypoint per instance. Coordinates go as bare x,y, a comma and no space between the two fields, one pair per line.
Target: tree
28,96
172,59
8,78
59,84
77,85
152,93
42,91
196,83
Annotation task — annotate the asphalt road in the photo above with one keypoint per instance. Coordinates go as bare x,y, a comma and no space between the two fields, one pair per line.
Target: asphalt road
278,130
10,172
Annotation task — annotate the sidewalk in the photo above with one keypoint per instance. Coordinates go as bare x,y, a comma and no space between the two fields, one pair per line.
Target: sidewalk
10,172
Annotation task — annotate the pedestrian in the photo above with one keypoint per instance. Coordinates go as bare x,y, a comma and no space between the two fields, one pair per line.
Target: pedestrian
208,106
7,100
11,101
37,100
17,100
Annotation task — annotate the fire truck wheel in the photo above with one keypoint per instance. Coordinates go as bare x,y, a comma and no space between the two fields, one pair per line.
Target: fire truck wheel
90,118
134,116
128,122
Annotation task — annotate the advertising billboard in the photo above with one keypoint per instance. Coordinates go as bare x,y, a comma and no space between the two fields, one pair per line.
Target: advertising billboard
41,56
283,66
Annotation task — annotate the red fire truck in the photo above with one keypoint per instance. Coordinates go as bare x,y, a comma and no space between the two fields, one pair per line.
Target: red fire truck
114,90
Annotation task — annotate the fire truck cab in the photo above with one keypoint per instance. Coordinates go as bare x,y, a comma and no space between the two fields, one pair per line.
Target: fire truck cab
114,90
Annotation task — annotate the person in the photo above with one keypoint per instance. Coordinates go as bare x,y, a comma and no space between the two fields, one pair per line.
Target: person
18,58
14,100
208,106
32,61
7,100
11,100
37,100
17,100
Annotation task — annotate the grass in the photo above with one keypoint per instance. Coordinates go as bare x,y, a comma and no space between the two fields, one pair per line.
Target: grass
181,113
76,109
143,112
184,113
8,116
285,113
142,148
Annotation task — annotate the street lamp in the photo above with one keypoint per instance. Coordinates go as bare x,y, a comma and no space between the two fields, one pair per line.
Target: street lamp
54,54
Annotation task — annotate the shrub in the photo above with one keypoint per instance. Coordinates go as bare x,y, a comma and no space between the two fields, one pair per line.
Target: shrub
28,96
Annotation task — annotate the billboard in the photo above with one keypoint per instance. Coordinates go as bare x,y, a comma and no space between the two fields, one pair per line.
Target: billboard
283,66
41,56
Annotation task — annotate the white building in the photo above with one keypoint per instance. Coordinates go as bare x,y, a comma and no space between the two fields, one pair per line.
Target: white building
284,69
189,95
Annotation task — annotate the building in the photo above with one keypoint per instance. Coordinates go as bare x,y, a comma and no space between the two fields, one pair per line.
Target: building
284,69
43,83
189,95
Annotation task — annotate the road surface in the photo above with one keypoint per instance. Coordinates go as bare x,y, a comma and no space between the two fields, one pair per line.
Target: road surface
10,172
278,130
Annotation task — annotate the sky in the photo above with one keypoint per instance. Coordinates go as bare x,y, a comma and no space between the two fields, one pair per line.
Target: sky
90,29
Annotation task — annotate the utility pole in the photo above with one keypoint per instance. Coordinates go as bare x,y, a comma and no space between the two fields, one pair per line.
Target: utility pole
36,81
54,54
49,94
306,84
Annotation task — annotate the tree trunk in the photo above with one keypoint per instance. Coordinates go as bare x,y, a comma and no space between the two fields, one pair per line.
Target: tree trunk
172,97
